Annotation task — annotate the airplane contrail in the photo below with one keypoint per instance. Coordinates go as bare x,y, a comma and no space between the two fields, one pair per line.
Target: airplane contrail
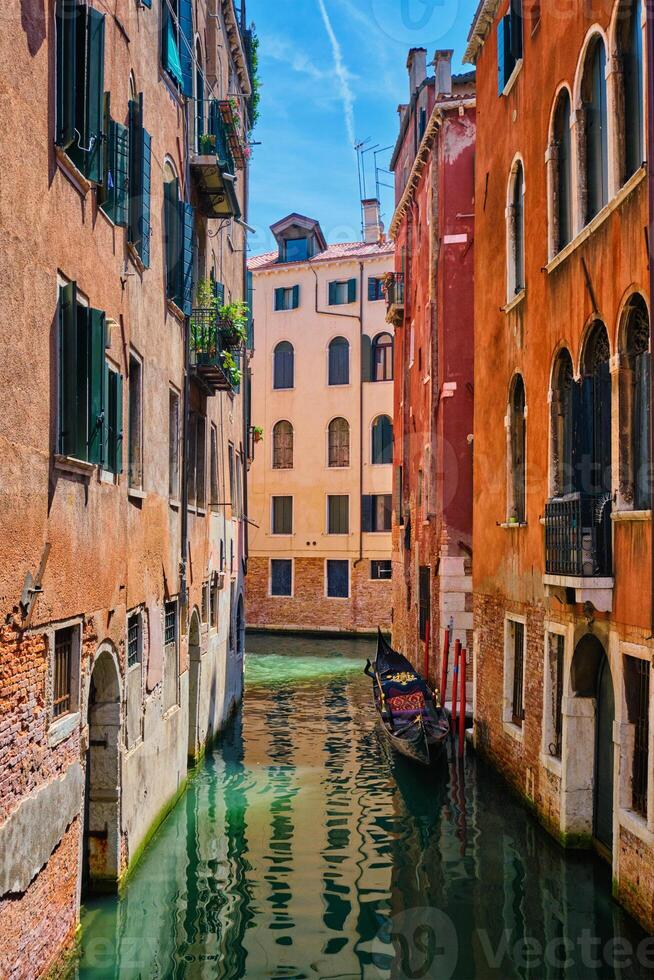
341,74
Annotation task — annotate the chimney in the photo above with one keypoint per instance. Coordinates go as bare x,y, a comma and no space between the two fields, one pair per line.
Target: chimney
372,226
417,67
443,71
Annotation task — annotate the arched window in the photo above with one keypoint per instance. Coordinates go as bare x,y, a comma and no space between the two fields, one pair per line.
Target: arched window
517,452
516,232
382,357
199,98
630,52
382,440
172,231
593,417
561,151
634,407
283,445
596,144
339,442
561,433
283,365
339,361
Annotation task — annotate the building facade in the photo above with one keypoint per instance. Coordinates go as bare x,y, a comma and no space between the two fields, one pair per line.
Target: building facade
431,303
562,514
124,437
322,399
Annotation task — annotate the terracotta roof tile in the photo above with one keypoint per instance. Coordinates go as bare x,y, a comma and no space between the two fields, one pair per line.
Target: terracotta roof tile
341,250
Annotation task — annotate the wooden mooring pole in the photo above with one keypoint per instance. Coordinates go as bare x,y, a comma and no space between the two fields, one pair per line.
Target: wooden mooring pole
455,677
462,705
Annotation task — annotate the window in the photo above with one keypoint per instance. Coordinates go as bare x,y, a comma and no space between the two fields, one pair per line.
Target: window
342,292
199,97
65,672
382,358
113,193
375,289
133,640
214,597
555,662
80,86
561,164
514,658
281,577
630,46
338,514
338,578
204,606
635,362
201,462
376,511
424,589
516,233
339,442
380,569
173,445
232,478
287,298
595,150
517,468
282,515
283,365
382,440
135,423
139,183
177,43
239,483
509,44
399,495
90,393
339,361
637,695
213,463
296,250
283,446
179,218
171,668
561,425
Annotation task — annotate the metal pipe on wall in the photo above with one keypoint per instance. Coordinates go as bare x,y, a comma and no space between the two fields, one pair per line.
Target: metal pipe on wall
650,184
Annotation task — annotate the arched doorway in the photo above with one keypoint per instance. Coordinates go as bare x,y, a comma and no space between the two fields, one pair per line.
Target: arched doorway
194,671
101,856
591,750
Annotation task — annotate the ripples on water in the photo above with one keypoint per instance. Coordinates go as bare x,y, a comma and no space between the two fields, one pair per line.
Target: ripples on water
303,848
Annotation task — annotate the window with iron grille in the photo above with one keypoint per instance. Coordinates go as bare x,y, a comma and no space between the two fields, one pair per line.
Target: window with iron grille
62,691
170,622
556,661
380,569
133,639
173,445
637,689
517,653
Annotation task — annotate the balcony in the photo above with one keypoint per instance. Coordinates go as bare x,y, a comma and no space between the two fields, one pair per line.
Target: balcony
214,351
213,170
394,289
578,547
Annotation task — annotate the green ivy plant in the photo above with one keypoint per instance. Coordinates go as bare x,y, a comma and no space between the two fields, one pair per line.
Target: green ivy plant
207,143
231,368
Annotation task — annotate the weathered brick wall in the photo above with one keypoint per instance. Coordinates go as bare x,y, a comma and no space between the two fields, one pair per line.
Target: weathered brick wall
369,604
636,877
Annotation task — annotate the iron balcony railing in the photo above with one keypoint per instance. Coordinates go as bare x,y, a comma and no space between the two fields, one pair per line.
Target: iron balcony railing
214,349
395,290
578,536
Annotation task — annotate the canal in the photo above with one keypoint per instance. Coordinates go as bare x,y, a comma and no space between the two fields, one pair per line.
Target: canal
304,849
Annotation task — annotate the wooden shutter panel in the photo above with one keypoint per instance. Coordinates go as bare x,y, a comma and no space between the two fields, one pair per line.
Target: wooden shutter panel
503,40
372,288
219,293
116,173
366,512
95,94
366,358
296,297
147,3
66,17
332,293
96,389
68,325
115,422
143,243
171,227
187,215
186,46
279,298
135,107
351,290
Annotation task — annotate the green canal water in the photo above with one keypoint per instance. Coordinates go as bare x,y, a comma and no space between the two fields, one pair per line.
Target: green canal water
303,848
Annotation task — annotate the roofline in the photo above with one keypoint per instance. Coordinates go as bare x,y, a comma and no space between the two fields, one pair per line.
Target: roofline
322,260
404,124
480,29
312,225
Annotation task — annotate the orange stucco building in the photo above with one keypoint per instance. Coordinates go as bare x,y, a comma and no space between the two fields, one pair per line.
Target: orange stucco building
562,514
123,438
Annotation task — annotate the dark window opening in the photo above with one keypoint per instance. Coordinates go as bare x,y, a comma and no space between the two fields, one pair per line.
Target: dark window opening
338,514
281,577
283,365
134,640
563,181
630,43
557,648
382,358
376,512
282,515
518,640
382,440
637,695
596,121
424,585
380,569
62,671
517,509
339,361
338,579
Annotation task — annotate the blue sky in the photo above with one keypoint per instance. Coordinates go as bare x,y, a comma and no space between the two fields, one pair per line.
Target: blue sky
332,70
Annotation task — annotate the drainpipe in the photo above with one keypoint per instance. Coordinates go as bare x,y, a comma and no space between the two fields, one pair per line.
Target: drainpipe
183,594
650,243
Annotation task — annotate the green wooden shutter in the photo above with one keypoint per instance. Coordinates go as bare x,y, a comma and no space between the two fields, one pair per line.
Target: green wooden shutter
80,449
66,17
147,3
186,44
279,298
366,358
96,387
114,192
372,288
332,293
219,293
94,94
351,290
114,428
135,149
296,297
171,228
68,443
187,216
143,243
169,50
502,47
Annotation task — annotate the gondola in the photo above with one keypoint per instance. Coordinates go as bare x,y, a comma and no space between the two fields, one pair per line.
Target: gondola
413,721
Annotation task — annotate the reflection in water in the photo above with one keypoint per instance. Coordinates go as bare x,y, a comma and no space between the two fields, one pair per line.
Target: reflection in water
305,848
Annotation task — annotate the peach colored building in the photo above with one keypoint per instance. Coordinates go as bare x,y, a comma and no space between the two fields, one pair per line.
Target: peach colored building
322,396
123,441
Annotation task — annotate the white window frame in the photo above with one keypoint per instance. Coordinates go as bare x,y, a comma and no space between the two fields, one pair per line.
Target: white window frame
516,731
273,595
282,534
337,534
61,727
338,598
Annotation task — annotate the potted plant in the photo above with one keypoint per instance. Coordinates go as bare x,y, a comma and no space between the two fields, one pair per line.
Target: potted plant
257,432
231,368
207,144
233,324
